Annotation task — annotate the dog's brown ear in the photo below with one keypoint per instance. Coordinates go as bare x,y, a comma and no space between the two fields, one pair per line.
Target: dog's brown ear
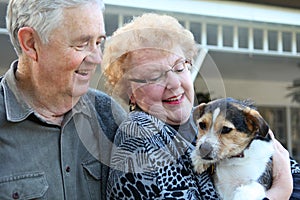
198,111
256,123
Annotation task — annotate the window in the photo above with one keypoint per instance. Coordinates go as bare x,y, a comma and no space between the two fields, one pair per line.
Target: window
111,23
227,36
276,118
295,129
298,42
182,23
287,41
7,53
273,40
212,34
243,37
258,38
196,28
2,14
127,19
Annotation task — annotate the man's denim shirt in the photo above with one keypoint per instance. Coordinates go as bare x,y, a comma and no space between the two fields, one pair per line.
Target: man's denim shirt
45,161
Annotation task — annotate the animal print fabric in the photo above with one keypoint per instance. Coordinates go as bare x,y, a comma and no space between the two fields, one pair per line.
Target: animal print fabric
152,161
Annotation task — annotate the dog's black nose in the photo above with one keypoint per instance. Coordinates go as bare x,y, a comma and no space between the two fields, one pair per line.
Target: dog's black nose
205,150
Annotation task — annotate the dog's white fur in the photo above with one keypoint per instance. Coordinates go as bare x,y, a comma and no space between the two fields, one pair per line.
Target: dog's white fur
235,178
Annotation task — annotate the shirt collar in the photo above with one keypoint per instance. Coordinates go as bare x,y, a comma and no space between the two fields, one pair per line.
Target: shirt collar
16,108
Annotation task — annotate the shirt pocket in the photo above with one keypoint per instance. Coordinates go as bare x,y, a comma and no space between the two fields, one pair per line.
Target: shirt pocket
23,186
92,172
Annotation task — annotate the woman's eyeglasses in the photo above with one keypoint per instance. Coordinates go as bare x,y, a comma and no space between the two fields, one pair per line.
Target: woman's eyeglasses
157,76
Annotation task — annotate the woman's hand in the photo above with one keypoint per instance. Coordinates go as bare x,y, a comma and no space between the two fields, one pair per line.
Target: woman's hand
282,186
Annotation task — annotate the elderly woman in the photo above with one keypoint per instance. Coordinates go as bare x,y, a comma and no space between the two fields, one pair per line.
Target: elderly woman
147,63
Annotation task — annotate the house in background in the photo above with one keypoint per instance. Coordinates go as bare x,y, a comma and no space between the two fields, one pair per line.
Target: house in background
247,50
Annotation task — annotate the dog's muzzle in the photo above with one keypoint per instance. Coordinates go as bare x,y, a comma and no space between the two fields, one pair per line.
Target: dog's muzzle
205,150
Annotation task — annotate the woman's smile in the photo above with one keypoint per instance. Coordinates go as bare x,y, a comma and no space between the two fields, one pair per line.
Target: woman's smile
174,100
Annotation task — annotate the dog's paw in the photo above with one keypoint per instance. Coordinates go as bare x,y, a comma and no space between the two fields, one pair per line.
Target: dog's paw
252,191
199,164
199,168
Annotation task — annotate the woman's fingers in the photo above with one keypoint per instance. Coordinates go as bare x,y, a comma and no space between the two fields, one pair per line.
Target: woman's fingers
282,178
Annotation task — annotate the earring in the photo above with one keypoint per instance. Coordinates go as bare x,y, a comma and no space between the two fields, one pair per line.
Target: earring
132,106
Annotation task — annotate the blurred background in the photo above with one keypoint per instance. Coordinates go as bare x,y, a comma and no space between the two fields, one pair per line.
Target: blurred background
247,50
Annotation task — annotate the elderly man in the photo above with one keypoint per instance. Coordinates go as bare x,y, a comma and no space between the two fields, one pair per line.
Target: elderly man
55,132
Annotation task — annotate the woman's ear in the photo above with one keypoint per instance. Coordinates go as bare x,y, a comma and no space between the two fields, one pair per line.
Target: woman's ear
129,92
27,39
132,100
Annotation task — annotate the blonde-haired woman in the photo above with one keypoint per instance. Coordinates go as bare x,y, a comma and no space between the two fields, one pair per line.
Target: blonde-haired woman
147,63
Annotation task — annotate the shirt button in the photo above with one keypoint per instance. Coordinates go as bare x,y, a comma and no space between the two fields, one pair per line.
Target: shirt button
15,195
68,169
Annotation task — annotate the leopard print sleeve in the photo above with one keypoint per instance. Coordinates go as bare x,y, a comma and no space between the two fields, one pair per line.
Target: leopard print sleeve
151,162
295,168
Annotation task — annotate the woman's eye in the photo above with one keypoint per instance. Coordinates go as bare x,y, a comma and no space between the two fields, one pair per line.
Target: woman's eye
225,130
179,67
179,70
157,78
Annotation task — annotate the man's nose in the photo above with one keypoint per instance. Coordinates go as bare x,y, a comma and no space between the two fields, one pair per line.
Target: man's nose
95,56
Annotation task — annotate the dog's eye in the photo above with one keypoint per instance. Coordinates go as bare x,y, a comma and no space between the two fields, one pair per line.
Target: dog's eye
202,125
226,129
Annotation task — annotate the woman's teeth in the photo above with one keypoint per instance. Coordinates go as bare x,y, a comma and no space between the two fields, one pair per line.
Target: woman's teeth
174,99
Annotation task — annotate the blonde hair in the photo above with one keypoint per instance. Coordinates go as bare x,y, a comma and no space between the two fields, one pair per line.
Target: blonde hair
147,31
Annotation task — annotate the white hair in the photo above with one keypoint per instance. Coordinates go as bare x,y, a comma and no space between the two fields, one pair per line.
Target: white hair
41,15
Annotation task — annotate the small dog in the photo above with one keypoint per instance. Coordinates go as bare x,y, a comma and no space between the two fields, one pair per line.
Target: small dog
233,139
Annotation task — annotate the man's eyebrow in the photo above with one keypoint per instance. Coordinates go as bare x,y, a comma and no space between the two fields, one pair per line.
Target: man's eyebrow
85,38
81,38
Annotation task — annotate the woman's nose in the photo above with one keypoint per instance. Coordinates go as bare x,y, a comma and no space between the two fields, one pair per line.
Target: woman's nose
172,80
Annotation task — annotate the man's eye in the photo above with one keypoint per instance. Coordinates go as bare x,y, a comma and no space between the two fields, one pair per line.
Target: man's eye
81,47
100,43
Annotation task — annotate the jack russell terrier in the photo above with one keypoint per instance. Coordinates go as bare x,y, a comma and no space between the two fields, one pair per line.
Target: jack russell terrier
233,139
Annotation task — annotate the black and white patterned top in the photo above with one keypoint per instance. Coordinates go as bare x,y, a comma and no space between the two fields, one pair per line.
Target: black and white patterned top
151,160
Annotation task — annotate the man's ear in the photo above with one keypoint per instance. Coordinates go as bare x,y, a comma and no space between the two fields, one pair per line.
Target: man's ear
28,39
